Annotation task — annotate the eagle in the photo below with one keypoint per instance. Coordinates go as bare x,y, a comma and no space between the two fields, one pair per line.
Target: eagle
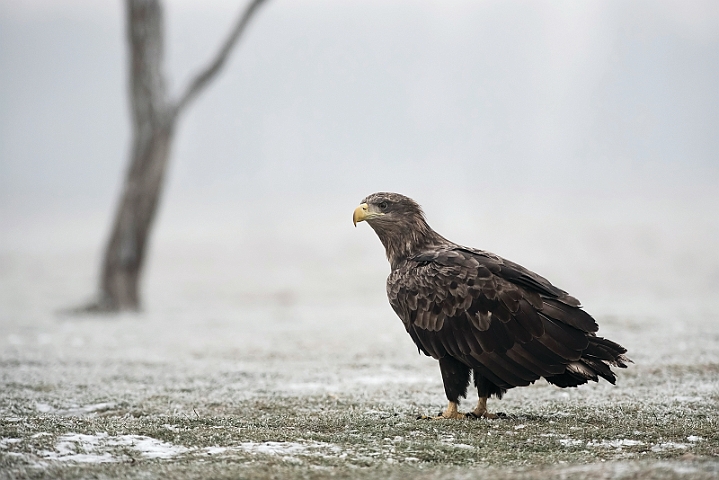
482,315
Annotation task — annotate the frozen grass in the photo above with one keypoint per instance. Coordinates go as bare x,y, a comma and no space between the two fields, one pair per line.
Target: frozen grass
268,415
312,388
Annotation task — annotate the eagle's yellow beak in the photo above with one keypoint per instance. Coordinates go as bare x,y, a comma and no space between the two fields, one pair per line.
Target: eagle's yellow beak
360,213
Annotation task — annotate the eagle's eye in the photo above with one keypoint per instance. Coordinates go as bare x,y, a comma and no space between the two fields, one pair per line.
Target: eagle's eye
383,206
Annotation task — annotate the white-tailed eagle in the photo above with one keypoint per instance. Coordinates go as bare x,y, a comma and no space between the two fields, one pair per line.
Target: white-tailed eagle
478,313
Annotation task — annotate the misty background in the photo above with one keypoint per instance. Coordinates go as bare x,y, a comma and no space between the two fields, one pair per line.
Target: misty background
580,139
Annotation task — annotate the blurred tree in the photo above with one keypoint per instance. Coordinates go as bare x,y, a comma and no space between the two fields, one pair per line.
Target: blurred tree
154,116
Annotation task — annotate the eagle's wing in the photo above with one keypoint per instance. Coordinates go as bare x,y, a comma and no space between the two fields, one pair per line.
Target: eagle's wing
507,322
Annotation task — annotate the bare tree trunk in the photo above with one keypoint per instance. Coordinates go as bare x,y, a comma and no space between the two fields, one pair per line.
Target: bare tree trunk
153,121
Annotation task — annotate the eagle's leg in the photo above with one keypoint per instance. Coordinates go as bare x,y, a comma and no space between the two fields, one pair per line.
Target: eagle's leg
450,412
485,388
481,409
455,376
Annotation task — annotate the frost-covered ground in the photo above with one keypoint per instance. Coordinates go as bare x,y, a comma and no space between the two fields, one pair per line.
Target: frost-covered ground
218,379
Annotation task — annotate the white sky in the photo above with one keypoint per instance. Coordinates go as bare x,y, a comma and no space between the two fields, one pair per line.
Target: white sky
579,138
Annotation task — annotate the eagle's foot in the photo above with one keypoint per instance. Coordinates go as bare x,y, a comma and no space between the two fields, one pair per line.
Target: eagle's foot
485,414
451,413
451,416
481,410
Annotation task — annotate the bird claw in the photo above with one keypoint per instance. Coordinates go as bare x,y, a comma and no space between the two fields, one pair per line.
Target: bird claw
443,416
487,415
454,416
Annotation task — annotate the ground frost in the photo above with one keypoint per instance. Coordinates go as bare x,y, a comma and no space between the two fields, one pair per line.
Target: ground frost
101,447
334,390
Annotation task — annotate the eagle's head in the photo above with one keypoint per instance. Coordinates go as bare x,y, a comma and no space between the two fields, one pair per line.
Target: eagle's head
399,223
387,210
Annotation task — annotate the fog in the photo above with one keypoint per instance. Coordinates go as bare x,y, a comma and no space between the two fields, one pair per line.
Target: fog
580,139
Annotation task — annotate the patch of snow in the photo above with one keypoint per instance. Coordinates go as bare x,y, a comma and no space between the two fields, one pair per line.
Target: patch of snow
372,411
625,442
43,407
631,443
81,448
105,457
76,447
694,438
519,427
274,448
4,442
215,450
150,447
462,445
660,447
87,409
570,442
288,449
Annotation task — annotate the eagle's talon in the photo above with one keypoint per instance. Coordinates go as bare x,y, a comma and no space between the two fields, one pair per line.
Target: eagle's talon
450,414
430,417
487,415
457,416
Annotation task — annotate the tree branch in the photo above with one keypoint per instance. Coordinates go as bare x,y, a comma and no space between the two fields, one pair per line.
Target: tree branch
202,79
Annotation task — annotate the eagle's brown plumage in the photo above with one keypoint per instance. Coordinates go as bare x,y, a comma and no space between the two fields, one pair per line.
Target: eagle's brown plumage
477,312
